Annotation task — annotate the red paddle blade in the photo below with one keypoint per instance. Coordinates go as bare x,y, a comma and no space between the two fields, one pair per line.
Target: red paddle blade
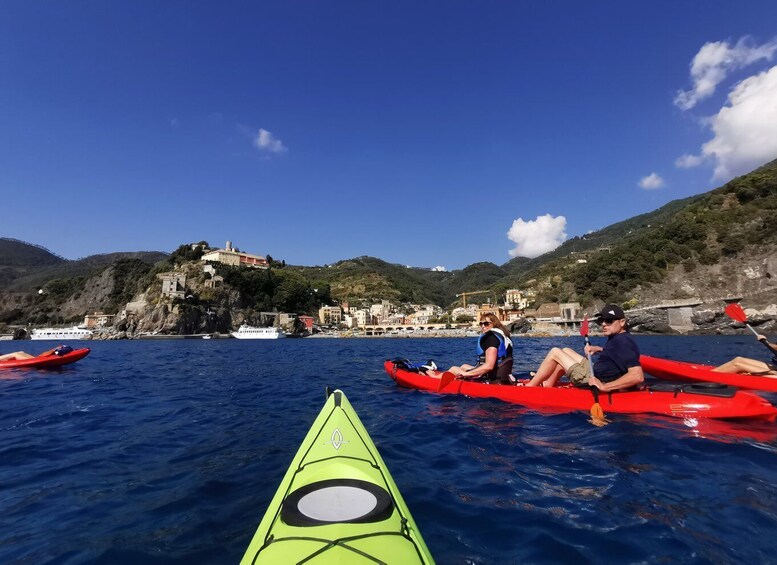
445,379
584,327
735,312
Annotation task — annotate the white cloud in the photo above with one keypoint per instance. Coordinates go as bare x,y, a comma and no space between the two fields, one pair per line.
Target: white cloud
440,268
746,128
651,182
714,61
688,161
535,237
266,141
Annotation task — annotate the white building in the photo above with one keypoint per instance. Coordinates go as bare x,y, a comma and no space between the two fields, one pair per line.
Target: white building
230,256
517,298
381,311
362,317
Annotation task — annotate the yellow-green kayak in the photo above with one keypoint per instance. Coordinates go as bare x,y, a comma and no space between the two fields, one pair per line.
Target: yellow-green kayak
337,502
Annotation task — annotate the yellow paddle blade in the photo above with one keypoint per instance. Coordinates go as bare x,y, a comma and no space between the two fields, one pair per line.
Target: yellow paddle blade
597,415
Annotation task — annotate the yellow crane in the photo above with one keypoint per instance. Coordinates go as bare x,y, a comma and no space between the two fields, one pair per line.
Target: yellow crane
465,294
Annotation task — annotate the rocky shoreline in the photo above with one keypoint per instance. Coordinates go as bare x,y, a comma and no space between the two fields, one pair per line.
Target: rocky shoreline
705,321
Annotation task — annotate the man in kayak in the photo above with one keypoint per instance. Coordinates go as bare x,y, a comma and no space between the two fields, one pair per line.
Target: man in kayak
617,366
495,354
747,366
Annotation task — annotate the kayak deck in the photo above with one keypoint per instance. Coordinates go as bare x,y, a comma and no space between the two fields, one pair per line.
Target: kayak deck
46,361
679,370
679,402
337,502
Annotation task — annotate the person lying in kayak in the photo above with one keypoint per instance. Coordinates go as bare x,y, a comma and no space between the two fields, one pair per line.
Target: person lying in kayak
19,355
15,356
495,354
747,366
617,366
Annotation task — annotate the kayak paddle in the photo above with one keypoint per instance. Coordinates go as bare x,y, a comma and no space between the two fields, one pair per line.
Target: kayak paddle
445,379
597,414
737,313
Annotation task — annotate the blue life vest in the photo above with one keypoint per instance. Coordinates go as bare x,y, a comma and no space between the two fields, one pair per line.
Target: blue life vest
504,362
501,353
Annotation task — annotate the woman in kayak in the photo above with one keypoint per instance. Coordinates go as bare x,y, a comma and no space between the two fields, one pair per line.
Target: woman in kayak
617,366
495,353
747,366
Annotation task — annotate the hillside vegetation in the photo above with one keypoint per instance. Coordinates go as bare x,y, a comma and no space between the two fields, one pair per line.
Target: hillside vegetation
702,230
719,227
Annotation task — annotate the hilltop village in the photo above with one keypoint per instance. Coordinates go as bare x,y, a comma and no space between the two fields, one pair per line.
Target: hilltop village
383,318
197,284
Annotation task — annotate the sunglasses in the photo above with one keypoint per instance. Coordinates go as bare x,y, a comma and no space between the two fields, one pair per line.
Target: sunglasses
485,324
609,321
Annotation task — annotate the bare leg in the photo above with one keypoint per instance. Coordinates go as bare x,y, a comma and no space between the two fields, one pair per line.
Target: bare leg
556,363
457,370
743,365
16,355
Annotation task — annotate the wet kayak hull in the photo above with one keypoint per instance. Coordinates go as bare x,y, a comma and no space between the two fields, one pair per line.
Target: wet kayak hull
675,402
678,370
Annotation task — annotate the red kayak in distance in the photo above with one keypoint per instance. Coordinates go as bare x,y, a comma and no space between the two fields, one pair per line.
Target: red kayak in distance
677,400
46,361
696,372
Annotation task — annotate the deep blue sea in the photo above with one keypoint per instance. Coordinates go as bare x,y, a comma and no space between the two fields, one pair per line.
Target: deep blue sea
169,451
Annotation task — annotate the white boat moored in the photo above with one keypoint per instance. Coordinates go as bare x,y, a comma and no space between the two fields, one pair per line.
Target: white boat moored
250,332
76,332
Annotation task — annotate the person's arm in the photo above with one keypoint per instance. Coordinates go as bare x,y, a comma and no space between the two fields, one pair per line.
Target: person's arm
633,376
487,366
592,349
771,345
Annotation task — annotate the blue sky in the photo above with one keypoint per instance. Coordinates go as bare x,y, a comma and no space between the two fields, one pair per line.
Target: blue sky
418,132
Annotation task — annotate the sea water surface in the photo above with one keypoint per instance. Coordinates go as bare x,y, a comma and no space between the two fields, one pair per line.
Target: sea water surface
169,452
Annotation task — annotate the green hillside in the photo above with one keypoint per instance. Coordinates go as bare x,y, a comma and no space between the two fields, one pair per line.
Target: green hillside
737,218
695,231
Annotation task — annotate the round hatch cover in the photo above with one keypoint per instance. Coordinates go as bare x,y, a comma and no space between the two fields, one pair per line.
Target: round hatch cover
337,501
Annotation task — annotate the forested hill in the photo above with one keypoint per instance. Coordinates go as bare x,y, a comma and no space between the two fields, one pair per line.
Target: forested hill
26,267
733,228
714,244
15,253
686,238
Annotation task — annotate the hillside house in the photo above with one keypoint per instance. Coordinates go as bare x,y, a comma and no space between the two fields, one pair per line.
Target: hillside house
517,298
235,258
173,284
98,320
330,315
549,311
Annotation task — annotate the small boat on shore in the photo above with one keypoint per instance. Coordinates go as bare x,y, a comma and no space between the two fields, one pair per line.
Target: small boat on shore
59,334
250,332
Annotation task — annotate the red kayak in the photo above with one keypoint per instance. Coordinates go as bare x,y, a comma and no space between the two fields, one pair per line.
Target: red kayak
677,370
46,361
681,400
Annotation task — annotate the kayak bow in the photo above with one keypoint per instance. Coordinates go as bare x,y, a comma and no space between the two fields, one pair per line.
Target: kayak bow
678,370
337,502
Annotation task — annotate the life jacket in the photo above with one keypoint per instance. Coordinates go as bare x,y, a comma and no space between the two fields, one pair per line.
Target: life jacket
504,362
62,350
